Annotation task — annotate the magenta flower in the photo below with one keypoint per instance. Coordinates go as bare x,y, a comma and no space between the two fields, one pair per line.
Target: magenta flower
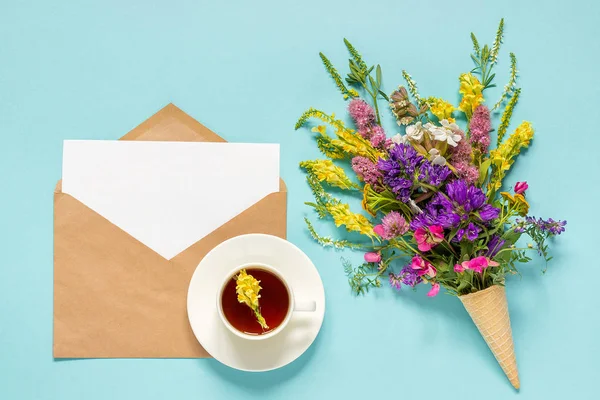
478,264
458,268
362,113
379,230
393,225
480,127
429,238
521,187
435,289
372,257
422,267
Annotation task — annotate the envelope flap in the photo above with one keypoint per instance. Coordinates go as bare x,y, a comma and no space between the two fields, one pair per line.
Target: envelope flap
172,124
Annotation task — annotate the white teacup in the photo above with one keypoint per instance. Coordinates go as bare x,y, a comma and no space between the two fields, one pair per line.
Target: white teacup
307,306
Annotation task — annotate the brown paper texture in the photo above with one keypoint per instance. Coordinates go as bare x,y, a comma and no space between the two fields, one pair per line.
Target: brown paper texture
116,298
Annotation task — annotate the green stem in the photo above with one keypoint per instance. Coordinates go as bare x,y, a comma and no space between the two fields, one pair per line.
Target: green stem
374,97
376,109
451,248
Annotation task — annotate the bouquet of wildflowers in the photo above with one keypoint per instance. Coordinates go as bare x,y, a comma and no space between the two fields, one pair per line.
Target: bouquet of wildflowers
438,215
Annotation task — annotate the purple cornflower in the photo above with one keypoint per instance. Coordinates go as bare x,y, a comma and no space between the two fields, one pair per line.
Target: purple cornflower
362,113
480,126
470,232
450,210
404,166
434,175
399,169
366,170
494,246
394,225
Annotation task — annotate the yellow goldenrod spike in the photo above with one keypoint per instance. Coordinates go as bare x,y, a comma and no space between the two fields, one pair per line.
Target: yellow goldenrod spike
326,170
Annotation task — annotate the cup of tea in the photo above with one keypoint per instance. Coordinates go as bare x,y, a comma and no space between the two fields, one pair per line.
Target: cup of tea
276,302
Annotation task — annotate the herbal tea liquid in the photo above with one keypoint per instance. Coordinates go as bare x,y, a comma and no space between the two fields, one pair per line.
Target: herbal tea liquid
274,304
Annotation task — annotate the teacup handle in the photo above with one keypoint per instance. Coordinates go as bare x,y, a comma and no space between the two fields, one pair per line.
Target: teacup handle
305,306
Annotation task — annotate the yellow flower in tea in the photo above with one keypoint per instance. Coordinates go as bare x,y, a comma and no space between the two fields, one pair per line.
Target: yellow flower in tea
440,108
353,222
248,289
326,170
471,89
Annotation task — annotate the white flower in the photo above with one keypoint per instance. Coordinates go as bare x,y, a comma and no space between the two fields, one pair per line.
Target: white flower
399,139
444,133
436,158
415,132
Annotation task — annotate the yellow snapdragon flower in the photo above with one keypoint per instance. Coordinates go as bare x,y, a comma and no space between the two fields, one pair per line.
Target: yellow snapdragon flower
326,170
247,289
365,201
518,201
471,89
441,108
353,222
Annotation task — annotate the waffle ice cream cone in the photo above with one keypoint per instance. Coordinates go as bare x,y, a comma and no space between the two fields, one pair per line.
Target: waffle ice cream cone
489,310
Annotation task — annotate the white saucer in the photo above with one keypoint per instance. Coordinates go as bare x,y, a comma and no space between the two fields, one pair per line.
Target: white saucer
252,355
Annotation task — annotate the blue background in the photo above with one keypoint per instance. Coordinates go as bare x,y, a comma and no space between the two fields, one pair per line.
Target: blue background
94,70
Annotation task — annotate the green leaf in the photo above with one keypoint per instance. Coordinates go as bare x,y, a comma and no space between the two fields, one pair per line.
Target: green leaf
511,237
464,284
484,170
385,96
373,83
453,233
378,75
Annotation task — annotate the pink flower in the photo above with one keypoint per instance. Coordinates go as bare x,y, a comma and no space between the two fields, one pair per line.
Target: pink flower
521,187
394,225
423,267
366,170
435,289
480,127
478,264
377,136
467,171
458,268
379,230
362,113
463,151
428,239
372,257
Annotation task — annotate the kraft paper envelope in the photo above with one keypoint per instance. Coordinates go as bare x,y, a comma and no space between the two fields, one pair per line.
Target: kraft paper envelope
114,297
